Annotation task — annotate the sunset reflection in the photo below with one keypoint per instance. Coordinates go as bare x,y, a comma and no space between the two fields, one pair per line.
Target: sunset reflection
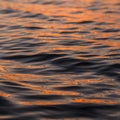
96,101
59,59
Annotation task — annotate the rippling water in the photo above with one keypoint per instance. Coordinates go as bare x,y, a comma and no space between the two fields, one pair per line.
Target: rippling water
59,59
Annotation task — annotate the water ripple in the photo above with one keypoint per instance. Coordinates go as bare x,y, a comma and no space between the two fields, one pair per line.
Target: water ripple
59,60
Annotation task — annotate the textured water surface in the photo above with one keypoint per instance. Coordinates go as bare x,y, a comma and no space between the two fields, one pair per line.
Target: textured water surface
59,59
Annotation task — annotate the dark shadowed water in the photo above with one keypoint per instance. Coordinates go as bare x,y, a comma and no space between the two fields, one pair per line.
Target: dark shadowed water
60,59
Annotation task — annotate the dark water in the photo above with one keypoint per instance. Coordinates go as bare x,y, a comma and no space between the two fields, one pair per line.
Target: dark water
59,59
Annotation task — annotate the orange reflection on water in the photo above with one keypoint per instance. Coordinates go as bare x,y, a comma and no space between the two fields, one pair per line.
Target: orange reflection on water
56,92
72,48
36,8
81,100
95,101
42,102
20,77
56,30
111,43
3,69
86,81
3,94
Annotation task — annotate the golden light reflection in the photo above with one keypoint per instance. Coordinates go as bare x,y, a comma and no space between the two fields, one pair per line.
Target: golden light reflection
20,78
108,43
56,92
3,69
3,94
86,81
36,8
65,12
81,100
52,34
41,103
96,101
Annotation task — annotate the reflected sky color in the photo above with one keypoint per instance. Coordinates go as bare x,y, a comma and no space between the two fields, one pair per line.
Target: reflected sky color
61,55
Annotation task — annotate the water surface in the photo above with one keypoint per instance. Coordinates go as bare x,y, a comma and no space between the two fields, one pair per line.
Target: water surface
59,59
